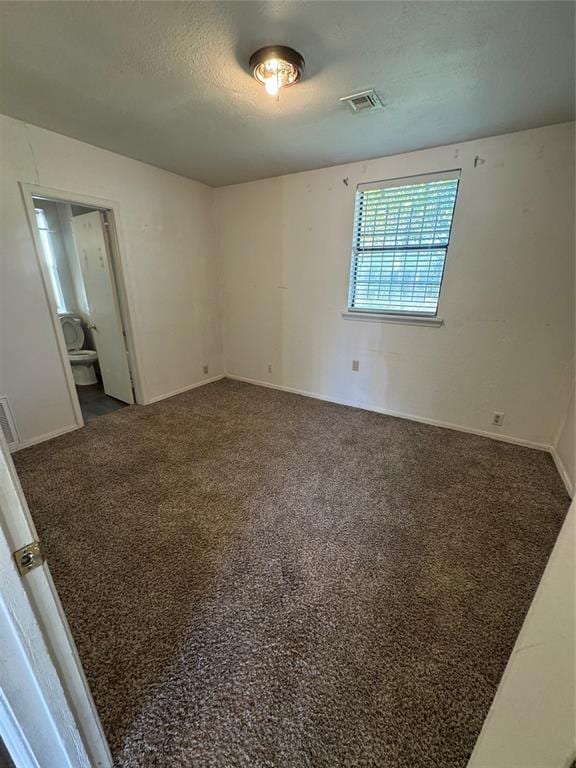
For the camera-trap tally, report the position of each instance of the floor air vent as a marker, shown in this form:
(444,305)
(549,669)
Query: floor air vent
(7,423)
(364,101)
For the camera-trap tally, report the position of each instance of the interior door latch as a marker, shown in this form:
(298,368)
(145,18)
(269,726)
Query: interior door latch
(29,557)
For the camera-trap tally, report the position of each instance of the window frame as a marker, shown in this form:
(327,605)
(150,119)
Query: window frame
(47,243)
(399,316)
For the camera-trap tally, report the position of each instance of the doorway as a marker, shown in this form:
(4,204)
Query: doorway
(77,254)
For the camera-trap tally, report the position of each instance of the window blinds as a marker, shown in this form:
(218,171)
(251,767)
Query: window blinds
(401,235)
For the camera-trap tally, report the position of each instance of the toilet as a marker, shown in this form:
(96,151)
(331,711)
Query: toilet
(81,360)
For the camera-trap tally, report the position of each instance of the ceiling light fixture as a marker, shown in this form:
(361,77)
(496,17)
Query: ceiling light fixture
(276,66)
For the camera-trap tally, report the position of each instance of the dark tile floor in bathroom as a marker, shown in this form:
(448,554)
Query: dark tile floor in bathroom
(95,402)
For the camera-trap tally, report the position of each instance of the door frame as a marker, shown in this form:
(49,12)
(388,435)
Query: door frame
(47,714)
(119,270)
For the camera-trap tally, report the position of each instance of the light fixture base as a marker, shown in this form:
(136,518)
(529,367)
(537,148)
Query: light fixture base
(276,67)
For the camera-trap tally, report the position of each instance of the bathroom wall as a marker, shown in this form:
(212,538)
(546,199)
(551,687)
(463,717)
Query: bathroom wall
(64,254)
(507,300)
(65,215)
(65,221)
(168,251)
(79,303)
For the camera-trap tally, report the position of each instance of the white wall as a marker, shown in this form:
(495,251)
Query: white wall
(507,342)
(284,247)
(168,250)
(532,720)
(565,452)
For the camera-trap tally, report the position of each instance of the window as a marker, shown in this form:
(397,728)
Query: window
(401,235)
(48,250)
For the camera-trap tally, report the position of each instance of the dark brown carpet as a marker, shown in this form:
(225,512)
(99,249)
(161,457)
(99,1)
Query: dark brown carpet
(259,579)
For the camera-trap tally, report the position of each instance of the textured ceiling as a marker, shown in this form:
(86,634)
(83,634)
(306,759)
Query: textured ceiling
(167,83)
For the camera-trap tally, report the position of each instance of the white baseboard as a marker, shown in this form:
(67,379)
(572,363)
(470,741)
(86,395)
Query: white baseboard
(184,389)
(64,430)
(364,406)
(42,438)
(563,472)
(397,414)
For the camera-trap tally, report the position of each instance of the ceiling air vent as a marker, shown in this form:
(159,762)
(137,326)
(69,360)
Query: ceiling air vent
(7,423)
(364,101)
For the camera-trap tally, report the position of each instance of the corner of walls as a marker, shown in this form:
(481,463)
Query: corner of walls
(187,388)
(219,281)
(168,256)
(564,450)
(284,253)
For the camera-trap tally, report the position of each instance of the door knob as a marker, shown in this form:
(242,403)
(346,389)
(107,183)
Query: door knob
(92,327)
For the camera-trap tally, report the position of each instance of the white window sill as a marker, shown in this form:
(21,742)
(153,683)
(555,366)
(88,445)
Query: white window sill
(380,317)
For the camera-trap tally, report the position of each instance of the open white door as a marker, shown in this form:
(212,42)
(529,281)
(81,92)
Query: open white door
(106,323)
(47,716)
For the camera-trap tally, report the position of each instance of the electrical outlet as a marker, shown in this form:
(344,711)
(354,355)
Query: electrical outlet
(269,369)
(355,365)
(205,369)
(497,418)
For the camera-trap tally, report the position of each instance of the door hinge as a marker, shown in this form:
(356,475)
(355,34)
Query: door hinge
(29,557)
